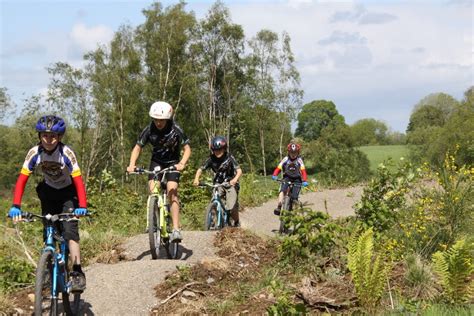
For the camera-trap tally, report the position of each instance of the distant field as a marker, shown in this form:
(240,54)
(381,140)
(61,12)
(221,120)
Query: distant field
(378,154)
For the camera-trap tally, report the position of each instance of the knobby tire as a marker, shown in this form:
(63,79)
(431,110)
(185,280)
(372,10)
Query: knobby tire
(44,302)
(284,211)
(210,221)
(154,233)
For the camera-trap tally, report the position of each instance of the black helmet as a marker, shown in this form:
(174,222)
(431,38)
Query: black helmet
(218,142)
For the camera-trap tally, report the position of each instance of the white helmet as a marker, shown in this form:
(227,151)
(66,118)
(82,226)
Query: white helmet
(161,110)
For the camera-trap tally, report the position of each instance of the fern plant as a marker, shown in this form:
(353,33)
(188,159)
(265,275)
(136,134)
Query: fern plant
(456,271)
(367,269)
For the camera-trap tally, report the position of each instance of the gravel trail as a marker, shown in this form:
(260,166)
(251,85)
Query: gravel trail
(127,288)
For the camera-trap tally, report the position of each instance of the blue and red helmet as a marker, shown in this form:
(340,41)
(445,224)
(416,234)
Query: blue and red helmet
(51,123)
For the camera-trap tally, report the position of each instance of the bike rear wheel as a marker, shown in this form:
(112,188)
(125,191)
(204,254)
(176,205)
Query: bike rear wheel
(154,233)
(210,220)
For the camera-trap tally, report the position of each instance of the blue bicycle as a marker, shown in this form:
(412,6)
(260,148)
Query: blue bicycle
(217,217)
(52,273)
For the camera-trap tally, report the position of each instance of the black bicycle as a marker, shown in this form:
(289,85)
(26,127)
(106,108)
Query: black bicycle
(287,204)
(53,283)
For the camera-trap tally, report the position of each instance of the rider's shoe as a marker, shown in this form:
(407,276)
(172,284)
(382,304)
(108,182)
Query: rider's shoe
(78,282)
(277,211)
(176,236)
(237,224)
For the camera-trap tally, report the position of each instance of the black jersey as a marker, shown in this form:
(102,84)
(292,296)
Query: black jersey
(225,167)
(166,142)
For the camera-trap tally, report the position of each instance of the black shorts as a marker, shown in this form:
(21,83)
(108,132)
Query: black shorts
(170,176)
(296,188)
(55,201)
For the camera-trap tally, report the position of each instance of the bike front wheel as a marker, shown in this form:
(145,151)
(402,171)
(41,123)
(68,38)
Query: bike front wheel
(211,220)
(45,301)
(285,208)
(154,233)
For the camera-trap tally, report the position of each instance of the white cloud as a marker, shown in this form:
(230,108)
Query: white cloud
(87,39)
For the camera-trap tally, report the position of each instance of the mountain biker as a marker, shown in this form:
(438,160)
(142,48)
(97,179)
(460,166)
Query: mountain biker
(293,170)
(61,190)
(166,138)
(226,169)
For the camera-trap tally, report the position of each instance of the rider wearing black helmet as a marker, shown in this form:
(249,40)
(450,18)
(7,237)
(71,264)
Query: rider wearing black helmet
(226,169)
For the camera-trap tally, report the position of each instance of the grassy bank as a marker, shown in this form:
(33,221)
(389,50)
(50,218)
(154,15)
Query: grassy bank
(377,154)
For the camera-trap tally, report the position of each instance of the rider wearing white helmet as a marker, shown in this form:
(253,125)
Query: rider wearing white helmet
(167,139)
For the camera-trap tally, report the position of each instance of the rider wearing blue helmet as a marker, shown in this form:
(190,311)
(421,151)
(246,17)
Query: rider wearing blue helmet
(62,189)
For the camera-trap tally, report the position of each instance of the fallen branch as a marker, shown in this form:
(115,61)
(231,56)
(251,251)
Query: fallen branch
(177,292)
(21,242)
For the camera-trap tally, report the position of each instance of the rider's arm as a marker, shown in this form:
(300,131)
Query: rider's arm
(81,190)
(237,176)
(133,157)
(184,159)
(304,175)
(19,188)
(197,176)
(279,167)
(26,170)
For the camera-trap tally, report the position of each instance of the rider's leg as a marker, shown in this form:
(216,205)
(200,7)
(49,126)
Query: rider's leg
(231,204)
(172,188)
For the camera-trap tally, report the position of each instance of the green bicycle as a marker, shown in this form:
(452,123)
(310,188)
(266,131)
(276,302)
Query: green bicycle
(158,215)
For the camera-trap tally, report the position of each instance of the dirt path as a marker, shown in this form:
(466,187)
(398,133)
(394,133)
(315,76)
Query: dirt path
(126,288)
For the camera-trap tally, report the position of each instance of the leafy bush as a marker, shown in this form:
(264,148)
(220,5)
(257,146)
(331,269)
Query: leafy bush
(440,213)
(15,272)
(314,234)
(456,270)
(285,304)
(385,195)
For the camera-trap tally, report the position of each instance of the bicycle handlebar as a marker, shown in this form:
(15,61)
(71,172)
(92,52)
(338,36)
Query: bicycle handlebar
(217,185)
(29,217)
(295,183)
(156,171)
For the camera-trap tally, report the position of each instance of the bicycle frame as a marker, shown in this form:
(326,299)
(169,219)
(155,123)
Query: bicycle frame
(287,203)
(61,257)
(223,215)
(159,192)
(158,211)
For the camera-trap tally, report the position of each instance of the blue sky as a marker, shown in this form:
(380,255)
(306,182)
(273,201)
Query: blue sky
(373,59)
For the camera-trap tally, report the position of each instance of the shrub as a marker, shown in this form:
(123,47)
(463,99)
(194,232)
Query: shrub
(385,195)
(314,234)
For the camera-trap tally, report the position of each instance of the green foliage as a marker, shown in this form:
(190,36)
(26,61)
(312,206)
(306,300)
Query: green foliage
(441,212)
(368,270)
(284,304)
(440,123)
(335,163)
(15,273)
(455,268)
(316,118)
(314,234)
(384,195)
(369,132)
